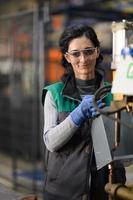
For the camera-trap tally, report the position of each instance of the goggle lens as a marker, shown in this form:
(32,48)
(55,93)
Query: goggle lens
(86,52)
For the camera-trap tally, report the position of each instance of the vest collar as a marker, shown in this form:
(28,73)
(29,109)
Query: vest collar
(70,90)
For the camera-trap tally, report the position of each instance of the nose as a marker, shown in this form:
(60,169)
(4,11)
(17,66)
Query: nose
(83,57)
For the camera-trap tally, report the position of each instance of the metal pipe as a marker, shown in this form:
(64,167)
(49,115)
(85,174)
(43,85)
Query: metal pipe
(117,130)
(119,191)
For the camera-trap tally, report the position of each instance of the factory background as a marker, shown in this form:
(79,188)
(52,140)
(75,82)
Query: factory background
(30,59)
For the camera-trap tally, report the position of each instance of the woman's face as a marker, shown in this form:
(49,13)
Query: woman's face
(82,55)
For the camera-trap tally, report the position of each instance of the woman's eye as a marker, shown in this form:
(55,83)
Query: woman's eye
(75,54)
(89,51)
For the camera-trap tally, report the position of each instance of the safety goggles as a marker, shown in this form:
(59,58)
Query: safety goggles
(86,52)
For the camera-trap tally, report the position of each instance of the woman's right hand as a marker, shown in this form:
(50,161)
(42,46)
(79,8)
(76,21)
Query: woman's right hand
(85,110)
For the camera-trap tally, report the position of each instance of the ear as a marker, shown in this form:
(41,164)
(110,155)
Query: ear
(67,58)
(98,52)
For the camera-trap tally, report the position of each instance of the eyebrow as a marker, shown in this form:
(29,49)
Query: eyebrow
(81,49)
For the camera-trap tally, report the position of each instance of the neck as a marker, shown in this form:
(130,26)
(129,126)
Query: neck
(85,77)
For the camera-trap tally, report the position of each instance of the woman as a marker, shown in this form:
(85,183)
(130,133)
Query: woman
(68,113)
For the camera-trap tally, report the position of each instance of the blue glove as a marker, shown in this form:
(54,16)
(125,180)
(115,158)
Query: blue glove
(85,110)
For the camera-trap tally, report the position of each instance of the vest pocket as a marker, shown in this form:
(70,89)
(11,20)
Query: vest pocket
(55,163)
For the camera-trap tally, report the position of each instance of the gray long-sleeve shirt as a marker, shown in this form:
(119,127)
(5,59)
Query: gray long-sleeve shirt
(56,135)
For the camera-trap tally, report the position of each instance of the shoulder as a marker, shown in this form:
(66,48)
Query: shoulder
(54,88)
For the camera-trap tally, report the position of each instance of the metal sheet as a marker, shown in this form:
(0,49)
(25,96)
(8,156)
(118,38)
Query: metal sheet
(100,143)
(103,136)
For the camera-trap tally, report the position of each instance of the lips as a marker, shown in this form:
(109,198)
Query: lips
(83,66)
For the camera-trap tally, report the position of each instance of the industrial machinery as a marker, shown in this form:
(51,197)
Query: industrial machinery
(120,110)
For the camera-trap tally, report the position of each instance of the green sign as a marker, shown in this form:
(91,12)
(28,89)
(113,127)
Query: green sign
(130,71)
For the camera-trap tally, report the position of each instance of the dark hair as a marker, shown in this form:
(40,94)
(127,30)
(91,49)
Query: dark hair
(72,32)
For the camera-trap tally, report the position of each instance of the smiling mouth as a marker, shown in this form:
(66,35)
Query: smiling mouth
(83,66)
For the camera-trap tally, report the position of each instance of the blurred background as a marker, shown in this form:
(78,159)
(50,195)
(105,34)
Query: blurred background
(30,59)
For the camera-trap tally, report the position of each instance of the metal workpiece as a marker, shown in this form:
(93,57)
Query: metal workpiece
(119,191)
(122,37)
(124,24)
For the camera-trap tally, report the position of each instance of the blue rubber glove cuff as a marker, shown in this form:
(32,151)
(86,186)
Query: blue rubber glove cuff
(77,116)
(82,112)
